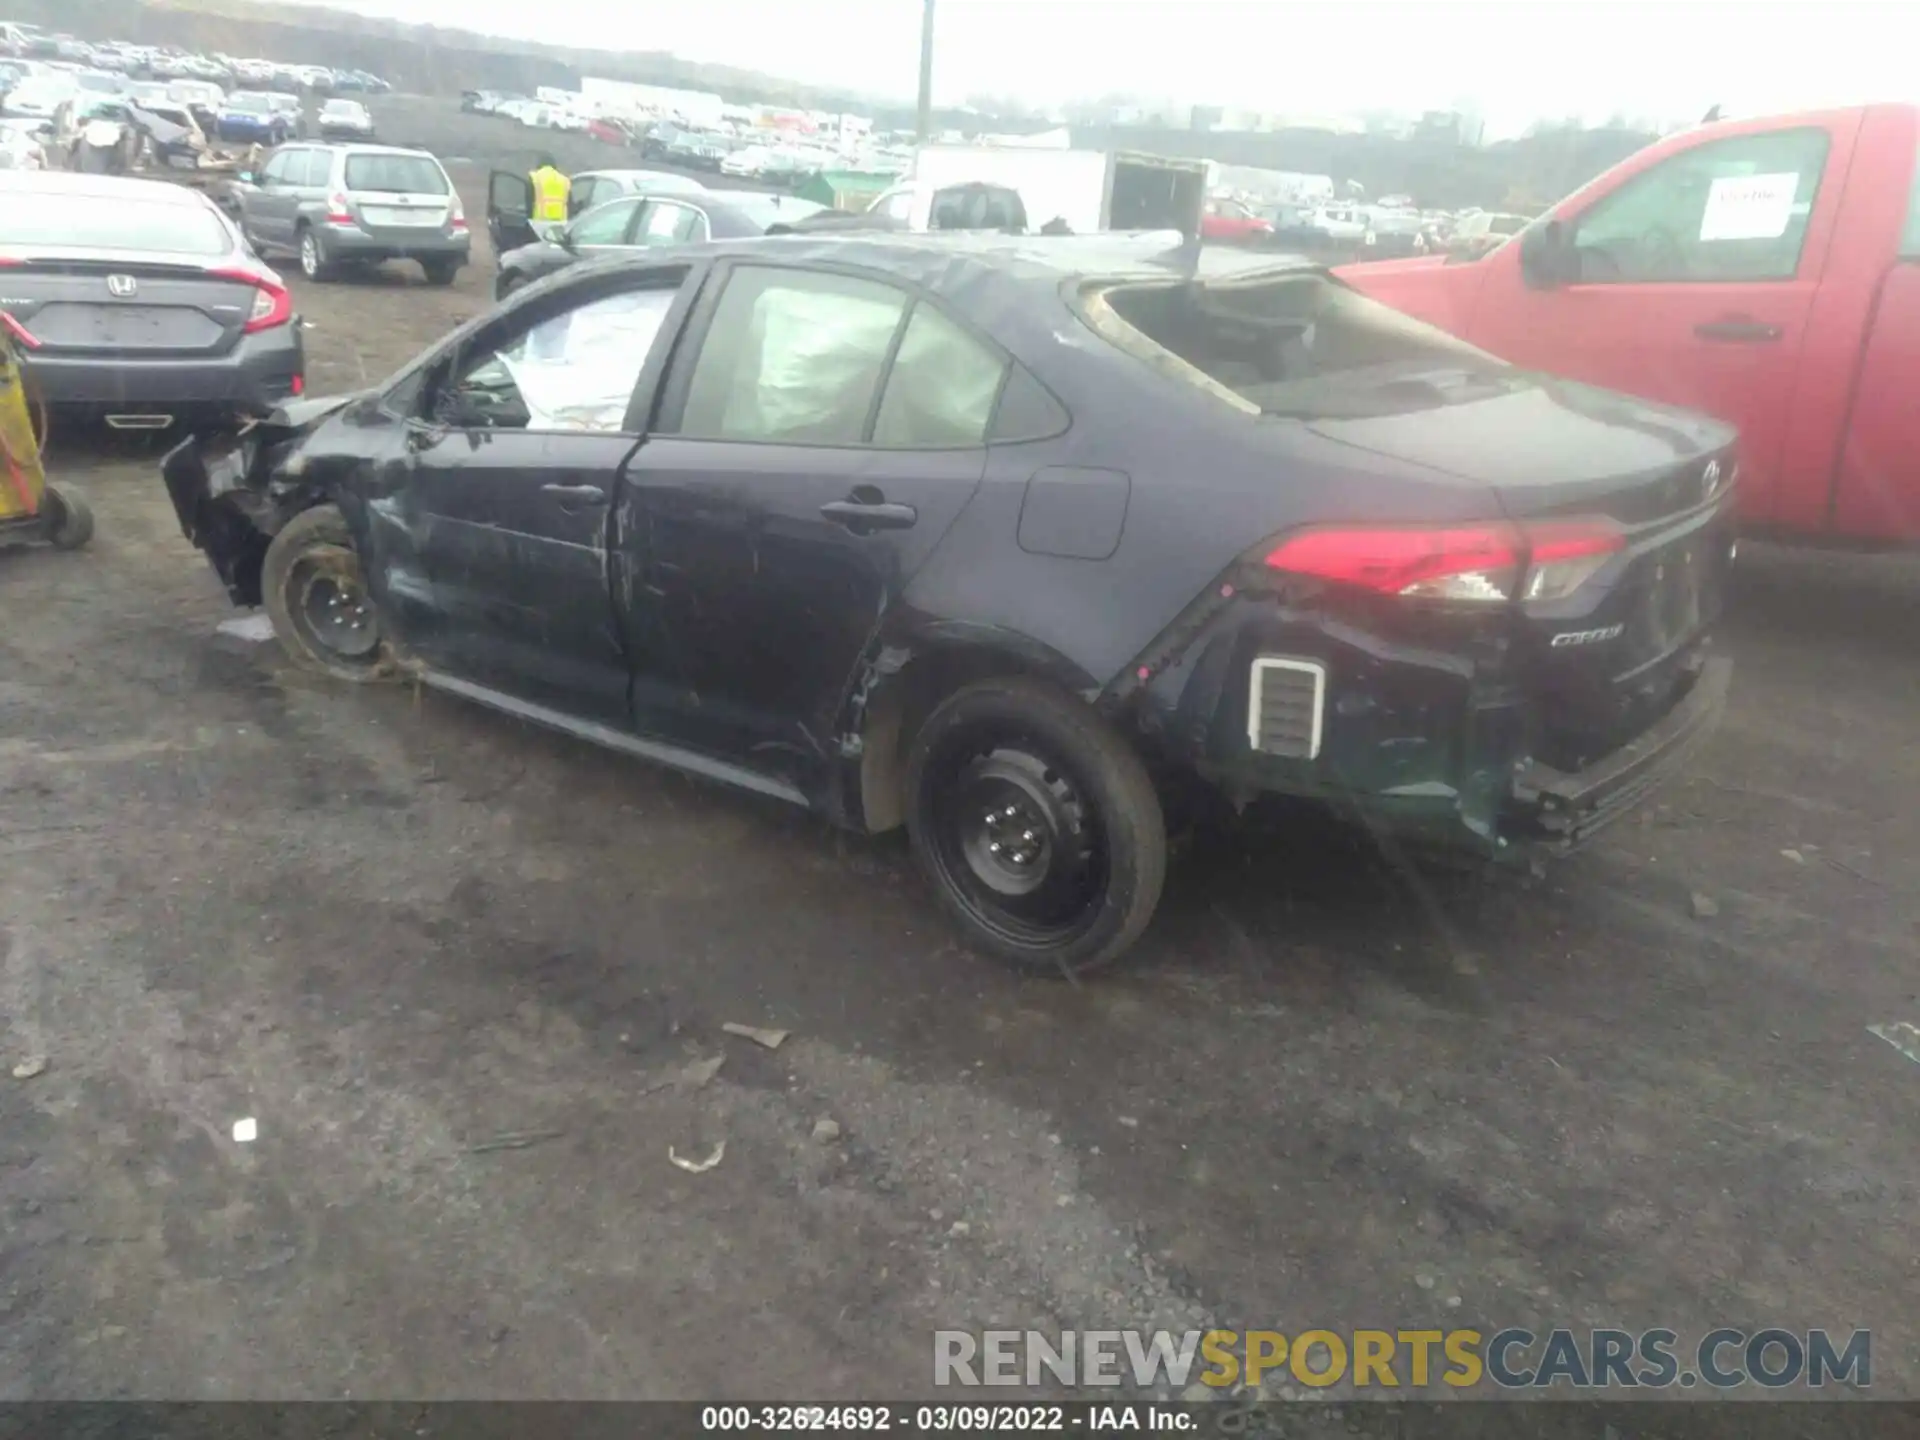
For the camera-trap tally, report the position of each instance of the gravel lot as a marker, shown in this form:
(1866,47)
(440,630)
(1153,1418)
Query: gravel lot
(458,971)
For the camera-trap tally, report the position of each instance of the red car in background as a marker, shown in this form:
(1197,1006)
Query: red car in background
(1228,222)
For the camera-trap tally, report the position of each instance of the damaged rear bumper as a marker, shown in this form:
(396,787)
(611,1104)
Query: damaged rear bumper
(1561,811)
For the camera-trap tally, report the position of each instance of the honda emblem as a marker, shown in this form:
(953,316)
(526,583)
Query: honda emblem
(121,287)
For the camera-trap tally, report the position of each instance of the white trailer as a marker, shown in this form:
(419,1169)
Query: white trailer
(1080,190)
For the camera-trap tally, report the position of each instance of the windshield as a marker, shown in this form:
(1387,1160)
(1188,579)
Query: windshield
(1300,345)
(99,84)
(113,222)
(398,174)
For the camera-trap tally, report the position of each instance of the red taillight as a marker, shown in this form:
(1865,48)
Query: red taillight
(458,219)
(272,305)
(1490,562)
(338,212)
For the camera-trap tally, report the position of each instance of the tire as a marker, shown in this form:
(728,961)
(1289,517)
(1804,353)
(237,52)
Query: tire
(440,272)
(310,572)
(1079,809)
(314,263)
(68,517)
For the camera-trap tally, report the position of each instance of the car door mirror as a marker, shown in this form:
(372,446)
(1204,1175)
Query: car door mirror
(564,238)
(1547,257)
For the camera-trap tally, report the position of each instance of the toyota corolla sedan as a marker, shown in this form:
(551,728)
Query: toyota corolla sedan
(1007,542)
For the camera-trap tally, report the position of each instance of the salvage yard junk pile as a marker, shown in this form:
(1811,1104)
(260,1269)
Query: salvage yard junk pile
(879,543)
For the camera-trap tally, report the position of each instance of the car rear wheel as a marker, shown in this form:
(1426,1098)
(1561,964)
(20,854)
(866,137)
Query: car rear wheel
(313,256)
(1037,824)
(317,598)
(67,516)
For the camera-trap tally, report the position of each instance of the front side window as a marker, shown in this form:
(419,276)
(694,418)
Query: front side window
(606,224)
(792,356)
(574,370)
(1728,210)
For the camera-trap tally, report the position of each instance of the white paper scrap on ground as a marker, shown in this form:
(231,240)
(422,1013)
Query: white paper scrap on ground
(257,627)
(246,1131)
(1902,1036)
(1749,207)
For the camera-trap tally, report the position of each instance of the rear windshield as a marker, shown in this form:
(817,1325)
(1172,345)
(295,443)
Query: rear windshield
(252,104)
(112,222)
(340,107)
(765,210)
(1301,345)
(396,174)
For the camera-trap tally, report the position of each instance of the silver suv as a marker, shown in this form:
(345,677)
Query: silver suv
(333,205)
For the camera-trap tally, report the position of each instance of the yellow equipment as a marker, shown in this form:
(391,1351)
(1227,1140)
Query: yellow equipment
(28,502)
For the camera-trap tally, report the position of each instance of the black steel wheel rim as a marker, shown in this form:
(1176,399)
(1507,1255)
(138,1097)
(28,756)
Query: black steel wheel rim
(1017,839)
(330,606)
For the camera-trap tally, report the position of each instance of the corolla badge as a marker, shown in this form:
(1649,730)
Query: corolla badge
(1586,637)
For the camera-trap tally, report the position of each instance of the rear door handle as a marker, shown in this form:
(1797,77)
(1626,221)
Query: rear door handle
(577,494)
(859,515)
(1738,332)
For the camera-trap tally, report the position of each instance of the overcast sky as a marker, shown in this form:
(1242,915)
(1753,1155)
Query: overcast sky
(1517,59)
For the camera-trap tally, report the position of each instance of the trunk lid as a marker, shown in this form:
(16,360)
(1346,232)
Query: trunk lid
(397,194)
(140,309)
(1608,659)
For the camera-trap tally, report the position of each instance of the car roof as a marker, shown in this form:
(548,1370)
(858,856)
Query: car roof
(349,147)
(66,182)
(955,261)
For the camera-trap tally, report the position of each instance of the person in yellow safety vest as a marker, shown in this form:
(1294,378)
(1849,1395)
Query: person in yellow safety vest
(550,187)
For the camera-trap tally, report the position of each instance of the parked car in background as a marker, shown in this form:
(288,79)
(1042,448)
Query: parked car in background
(37,98)
(330,206)
(22,145)
(1228,222)
(1766,271)
(252,117)
(892,551)
(1485,231)
(645,220)
(344,120)
(1394,233)
(510,198)
(137,300)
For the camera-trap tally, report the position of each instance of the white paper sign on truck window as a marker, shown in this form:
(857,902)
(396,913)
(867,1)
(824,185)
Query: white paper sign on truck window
(1749,207)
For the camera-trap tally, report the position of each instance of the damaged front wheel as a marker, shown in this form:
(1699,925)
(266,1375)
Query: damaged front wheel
(313,589)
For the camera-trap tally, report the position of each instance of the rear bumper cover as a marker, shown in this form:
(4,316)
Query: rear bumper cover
(255,376)
(346,242)
(1561,811)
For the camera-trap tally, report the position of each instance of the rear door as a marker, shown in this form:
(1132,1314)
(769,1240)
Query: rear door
(509,211)
(817,437)
(270,205)
(489,544)
(396,197)
(1695,280)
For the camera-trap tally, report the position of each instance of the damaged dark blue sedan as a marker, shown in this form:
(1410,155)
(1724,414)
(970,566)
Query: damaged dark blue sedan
(1009,541)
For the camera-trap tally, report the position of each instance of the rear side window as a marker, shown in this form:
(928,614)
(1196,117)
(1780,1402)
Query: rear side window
(606,225)
(1729,210)
(98,222)
(396,174)
(941,389)
(792,356)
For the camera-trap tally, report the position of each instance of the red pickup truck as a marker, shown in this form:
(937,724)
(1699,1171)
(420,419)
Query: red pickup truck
(1764,271)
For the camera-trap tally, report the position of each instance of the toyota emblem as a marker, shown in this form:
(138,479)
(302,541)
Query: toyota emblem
(121,287)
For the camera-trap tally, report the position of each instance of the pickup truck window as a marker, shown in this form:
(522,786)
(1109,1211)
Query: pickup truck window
(1910,237)
(1728,210)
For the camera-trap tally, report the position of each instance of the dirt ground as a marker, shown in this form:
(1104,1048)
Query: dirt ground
(461,973)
